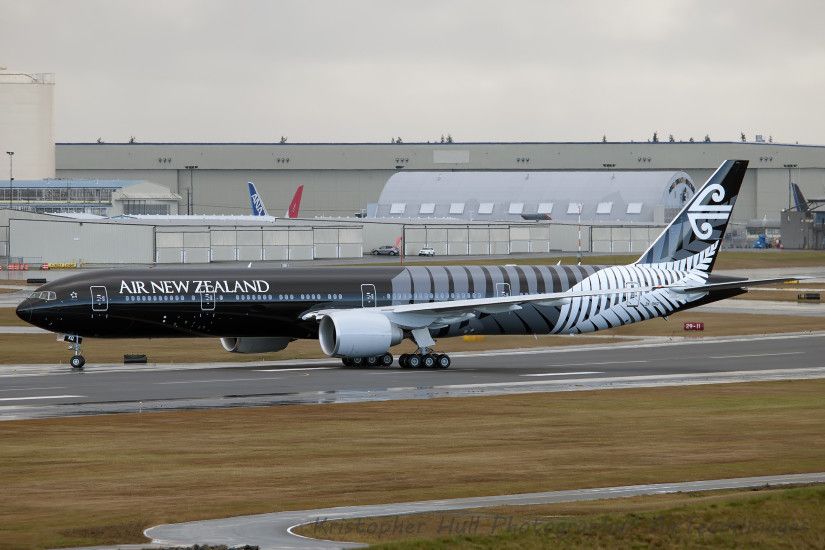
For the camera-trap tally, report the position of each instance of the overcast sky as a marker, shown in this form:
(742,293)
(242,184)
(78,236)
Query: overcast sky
(319,71)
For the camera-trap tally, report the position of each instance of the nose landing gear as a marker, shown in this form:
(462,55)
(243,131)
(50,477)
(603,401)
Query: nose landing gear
(77,361)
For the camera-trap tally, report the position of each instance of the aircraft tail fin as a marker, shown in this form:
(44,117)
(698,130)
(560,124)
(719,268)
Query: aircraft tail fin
(258,208)
(700,226)
(799,199)
(295,205)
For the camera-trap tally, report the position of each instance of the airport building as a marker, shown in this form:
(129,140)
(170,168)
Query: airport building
(458,198)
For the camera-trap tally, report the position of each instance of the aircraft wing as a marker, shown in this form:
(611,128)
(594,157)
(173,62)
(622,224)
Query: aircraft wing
(429,313)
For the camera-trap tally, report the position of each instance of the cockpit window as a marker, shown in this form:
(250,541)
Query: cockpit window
(47,295)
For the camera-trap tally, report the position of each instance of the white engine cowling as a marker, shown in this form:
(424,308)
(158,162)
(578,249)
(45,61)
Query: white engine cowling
(254,345)
(351,333)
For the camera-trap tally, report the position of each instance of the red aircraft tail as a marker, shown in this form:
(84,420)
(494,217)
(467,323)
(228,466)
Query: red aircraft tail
(295,205)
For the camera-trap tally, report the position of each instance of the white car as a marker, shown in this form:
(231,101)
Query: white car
(426,251)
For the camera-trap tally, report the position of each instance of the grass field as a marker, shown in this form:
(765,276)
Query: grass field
(43,348)
(102,479)
(764,518)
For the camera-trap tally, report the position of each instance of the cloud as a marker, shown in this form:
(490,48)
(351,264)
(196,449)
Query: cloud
(366,70)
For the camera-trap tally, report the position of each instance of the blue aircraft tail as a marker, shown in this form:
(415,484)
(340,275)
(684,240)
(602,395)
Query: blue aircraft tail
(799,199)
(258,208)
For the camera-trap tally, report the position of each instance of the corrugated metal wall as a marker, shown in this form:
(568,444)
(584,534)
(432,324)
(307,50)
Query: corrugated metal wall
(88,242)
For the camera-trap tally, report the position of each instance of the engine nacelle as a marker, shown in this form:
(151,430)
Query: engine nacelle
(351,333)
(255,345)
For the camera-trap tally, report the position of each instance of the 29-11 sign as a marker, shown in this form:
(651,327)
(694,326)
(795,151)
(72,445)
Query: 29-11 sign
(695,325)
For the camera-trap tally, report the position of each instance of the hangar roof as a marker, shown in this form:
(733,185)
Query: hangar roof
(561,196)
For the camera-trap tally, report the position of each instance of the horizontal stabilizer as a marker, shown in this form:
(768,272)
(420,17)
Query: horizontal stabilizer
(743,283)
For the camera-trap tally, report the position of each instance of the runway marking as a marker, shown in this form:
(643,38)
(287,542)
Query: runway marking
(305,368)
(564,373)
(39,397)
(756,355)
(219,380)
(600,363)
(31,389)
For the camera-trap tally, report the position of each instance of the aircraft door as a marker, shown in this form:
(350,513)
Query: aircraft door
(100,298)
(368,297)
(502,290)
(207,301)
(633,296)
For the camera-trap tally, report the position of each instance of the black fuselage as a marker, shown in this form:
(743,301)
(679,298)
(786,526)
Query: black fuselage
(232,301)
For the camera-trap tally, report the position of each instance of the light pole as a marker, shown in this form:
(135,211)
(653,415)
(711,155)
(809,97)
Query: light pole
(191,169)
(11,173)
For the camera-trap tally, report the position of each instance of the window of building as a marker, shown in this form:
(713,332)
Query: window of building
(634,208)
(456,208)
(516,208)
(427,208)
(142,207)
(574,208)
(485,208)
(398,208)
(545,208)
(604,208)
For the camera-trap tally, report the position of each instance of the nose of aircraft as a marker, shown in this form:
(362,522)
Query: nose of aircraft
(24,310)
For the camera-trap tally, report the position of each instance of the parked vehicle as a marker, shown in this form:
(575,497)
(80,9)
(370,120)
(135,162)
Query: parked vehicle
(385,250)
(426,251)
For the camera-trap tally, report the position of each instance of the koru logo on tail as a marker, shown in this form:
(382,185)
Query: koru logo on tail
(698,211)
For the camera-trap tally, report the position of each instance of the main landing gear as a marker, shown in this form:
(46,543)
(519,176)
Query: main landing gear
(424,360)
(77,361)
(375,361)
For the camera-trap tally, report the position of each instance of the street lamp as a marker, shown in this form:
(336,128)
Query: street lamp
(191,199)
(11,173)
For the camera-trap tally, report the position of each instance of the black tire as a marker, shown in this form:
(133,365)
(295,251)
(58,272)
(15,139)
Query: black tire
(357,361)
(373,361)
(414,361)
(443,361)
(346,361)
(428,361)
(77,361)
(402,361)
(387,359)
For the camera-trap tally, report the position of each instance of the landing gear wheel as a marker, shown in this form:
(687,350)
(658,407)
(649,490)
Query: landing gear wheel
(443,361)
(428,361)
(347,361)
(357,361)
(386,359)
(403,361)
(77,361)
(373,361)
(413,361)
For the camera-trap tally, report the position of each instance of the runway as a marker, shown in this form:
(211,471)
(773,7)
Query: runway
(275,530)
(51,391)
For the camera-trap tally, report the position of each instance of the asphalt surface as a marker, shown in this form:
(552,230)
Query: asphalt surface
(36,391)
(275,530)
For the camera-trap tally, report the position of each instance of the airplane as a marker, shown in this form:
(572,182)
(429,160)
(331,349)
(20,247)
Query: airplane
(258,208)
(357,314)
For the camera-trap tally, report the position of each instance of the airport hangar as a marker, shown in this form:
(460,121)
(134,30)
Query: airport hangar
(342,180)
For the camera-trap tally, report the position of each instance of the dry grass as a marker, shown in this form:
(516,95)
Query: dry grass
(769,518)
(97,480)
(43,348)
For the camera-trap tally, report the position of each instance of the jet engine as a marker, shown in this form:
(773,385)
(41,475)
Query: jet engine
(351,333)
(254,345)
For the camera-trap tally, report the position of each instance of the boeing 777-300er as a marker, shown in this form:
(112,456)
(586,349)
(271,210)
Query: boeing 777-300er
(359,313)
